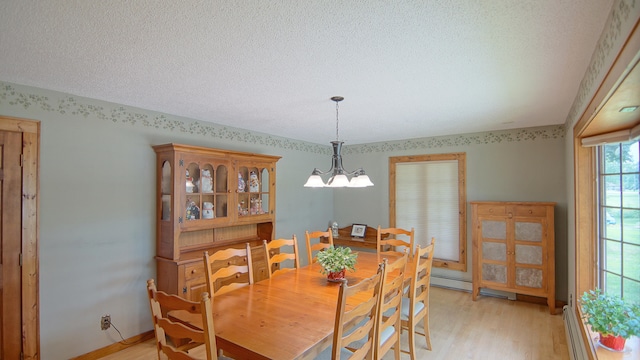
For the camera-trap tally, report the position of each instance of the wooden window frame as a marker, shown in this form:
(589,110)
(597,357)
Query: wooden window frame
(585,185)
(461,158)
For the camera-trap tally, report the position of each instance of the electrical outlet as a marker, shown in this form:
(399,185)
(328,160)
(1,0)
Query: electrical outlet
(105,322)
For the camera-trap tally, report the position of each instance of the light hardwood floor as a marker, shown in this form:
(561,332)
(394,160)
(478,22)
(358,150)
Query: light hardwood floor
(489,328)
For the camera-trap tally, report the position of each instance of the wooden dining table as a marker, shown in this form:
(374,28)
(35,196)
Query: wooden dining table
(289,316)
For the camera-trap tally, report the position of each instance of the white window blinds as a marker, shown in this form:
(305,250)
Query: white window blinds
(427,199)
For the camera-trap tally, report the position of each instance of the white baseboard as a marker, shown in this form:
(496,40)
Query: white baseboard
(451,283)
(467,286)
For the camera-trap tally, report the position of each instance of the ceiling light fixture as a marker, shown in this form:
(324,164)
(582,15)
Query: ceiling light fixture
(628,109)
(338,174)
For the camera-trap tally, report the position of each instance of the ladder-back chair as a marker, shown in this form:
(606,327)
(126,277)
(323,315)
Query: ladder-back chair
(228,269)
(358,324)
(275,256)
(168,333)
(396,237)
(312,248)
(416,307)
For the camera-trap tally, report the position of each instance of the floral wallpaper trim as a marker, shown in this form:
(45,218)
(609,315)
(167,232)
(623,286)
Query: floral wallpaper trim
(483,138)
(620,14)
(121,115)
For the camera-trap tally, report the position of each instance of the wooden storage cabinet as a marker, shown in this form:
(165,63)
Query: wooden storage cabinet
(207,200)
(513,248)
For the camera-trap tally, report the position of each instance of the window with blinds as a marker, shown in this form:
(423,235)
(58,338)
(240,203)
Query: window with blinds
(427,193)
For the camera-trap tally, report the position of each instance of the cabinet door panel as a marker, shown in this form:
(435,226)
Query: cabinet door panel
(494,273)
(494,229)
(195,288)
(529,231)
(494,251)
(202,195)
(528,277)
(526,254)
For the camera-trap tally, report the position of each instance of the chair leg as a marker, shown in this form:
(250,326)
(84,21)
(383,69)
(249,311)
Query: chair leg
(412,339)
(427,335)
(396,347)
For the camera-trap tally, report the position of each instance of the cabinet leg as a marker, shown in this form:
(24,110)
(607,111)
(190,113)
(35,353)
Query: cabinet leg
(552,305)
(474,293)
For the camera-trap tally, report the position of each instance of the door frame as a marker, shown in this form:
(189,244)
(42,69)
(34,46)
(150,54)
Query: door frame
(30,130)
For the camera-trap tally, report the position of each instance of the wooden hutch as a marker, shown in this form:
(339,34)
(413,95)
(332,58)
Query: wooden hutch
(513,248)
(207,200)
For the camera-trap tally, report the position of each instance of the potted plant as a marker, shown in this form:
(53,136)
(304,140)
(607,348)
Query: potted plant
(336,260)
(613,318)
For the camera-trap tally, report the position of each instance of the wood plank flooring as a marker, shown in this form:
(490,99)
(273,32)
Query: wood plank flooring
(489,328)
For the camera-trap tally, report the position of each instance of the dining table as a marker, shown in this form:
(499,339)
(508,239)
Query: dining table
(288,316)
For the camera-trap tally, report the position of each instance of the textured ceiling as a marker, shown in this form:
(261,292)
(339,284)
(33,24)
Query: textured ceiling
(407,69)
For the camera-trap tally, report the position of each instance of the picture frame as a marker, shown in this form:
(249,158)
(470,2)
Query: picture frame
(358,230)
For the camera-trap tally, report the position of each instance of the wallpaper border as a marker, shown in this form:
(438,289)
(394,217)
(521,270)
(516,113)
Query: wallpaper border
(620,16)
(27,98)
(481,138)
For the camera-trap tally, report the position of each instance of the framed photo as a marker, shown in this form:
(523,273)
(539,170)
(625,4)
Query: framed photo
(358,230)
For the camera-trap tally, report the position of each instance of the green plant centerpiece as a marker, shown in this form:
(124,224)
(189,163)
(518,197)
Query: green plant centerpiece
(614,318)
(336,260)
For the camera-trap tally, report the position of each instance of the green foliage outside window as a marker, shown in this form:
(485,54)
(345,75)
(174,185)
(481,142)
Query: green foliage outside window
(619,202)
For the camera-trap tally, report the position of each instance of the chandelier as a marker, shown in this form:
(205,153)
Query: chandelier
(338,173)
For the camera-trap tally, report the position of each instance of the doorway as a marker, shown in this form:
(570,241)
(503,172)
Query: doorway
(19,306)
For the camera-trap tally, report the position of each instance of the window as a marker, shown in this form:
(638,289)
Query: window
(619,219)
(427,193)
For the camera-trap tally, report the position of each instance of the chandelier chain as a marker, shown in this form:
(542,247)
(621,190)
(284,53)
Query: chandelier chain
(337,138)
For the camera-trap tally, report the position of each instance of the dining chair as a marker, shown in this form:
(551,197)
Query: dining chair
(389,325)
(311,248)
(273,252)
(416,306)
(389,321)
(396,237)
(169,333)
(228,269)
(356,323)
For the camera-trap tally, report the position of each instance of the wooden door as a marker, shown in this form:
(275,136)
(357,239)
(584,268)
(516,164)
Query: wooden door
(10,244)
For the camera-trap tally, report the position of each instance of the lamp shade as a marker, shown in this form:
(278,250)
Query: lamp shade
(314,181)
(360,181)
(338,180)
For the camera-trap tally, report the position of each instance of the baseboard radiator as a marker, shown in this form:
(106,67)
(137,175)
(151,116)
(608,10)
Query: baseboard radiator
(576,347)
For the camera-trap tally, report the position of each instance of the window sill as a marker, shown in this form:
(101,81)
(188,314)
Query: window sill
(631,348)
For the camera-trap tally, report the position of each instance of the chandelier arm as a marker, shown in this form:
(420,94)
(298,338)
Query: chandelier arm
(317,171)
(358,171)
